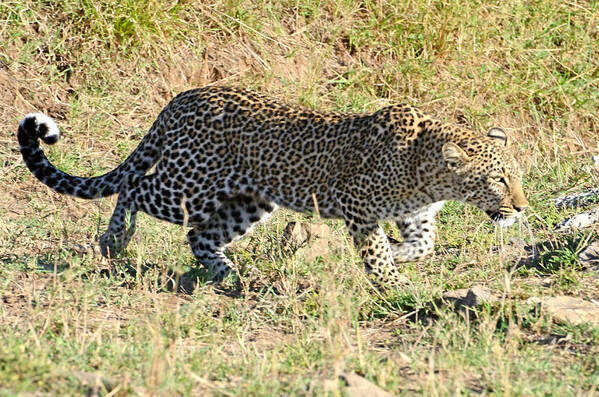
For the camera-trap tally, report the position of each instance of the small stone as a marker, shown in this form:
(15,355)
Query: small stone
(455,295)
(95,380)
(358,386)
(307,240)
(301,232)
(478,295)
(590,255)
(577,200)
(589,258)
(569,309)
(295,233)
(472,297)
(579,221)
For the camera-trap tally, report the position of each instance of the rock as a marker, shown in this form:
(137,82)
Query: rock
(577,200)
(301,232)
(96,381)
(589,258)
(590,255)
(456,294)
(579,221)
(358,386)
(477,295)
(569,309)
(307,240)
(472,297)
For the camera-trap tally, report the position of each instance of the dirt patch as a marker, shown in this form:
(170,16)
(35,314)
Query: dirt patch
(28,294)
(24,94)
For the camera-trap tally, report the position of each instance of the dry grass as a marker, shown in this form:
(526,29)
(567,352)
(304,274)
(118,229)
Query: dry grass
(104,69)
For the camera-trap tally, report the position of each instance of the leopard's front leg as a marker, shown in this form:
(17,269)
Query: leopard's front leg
(374,249)
(417,244)
(418,233)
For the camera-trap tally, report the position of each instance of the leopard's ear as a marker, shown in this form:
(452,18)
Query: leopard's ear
(500,135)
(454,155)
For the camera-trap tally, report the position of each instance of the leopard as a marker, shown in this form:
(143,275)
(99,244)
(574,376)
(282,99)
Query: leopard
(220,160)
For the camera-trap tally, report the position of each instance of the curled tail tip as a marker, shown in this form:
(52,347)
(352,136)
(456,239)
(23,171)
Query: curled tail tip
(38,125)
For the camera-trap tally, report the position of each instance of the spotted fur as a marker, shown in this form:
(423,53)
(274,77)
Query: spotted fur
(226,158)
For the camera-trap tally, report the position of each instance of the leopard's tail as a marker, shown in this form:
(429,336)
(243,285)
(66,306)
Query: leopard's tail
(37,126)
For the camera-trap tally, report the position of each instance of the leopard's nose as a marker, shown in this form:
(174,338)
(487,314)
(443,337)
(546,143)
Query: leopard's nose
(521,207)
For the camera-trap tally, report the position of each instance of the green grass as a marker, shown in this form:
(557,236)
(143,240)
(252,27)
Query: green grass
(284,325)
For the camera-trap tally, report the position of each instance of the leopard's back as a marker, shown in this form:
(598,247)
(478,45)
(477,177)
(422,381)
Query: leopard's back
(259,145)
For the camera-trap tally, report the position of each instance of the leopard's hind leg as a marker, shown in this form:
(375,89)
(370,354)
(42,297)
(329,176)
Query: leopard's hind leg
(122,222)
(151,195)
(235,217)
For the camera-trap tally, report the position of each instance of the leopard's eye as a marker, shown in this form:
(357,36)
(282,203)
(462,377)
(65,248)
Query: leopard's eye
(498,178)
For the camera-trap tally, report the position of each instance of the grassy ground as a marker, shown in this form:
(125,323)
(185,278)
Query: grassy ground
(284,326)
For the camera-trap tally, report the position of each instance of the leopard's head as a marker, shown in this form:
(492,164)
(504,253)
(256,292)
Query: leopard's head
(486,175)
